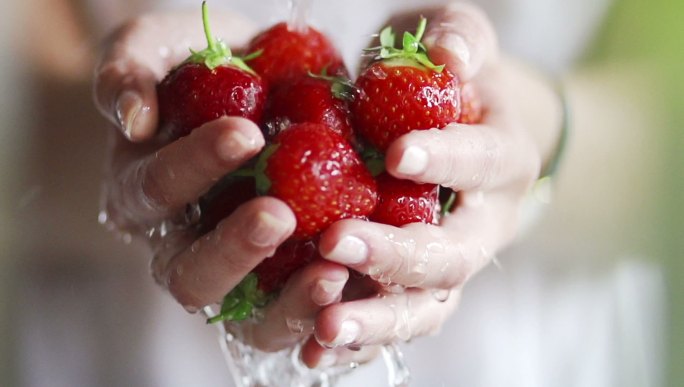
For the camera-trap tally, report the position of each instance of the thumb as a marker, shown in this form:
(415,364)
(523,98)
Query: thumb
(462,38)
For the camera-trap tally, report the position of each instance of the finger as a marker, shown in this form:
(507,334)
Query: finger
(141,52)
(422,255)
(314,355)
(462,38)
(385,319)
(289,319)
(206,271)
(465,157)
(162,184)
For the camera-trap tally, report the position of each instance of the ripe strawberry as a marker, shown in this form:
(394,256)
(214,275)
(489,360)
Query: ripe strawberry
(319,175)
(209,84)
(318,99)
(403,201)
(259,287)
(223,199)
(292,255)
(288,53)
(471,105)
(402,91)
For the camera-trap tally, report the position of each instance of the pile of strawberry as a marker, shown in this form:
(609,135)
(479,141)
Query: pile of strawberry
(325,135)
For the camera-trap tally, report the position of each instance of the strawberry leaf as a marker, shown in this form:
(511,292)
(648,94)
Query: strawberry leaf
(387,37)
(239,304)
(412,47)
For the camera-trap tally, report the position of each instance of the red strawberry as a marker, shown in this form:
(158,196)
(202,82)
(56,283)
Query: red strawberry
(403,201)
(209,84)
(223,199)
(288,53)
(403,91)
(292,255)
(264,282)
(314,99)
(319,175)
(471,105)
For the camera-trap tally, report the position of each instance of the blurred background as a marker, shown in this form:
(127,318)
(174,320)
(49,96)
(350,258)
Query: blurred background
(591,295)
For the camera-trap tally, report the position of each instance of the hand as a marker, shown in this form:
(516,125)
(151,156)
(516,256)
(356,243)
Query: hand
(491,166)
(150,181)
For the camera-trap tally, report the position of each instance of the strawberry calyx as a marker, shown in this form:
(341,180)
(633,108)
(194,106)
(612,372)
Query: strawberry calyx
(413,51)
(240,303)
(341,87)
(374,160)
(258,172)
(217,52)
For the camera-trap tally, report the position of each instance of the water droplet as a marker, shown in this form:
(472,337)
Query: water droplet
(195,246)
(164,52)
(353,365)
(179,270)
(102,217)
(191,309)
(378,72)
(171,173)
(193,213)
(127,238)
(441,295)
(295,326)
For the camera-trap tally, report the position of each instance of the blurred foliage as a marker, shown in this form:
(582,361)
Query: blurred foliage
(636,30)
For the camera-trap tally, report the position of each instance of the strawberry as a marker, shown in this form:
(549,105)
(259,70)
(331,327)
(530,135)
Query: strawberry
(262,285)
(288,53)
(209,84)
(471,105)
(319,175)
(223,199)
(319,99)
(290,256)
(402,91)
(403,201)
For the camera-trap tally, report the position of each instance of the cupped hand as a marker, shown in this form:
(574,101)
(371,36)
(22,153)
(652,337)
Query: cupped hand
(150,181)
(491,166)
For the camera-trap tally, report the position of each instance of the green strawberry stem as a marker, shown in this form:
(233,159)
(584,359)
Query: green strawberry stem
(449,204)
(217,52)
(239,304)
(207,29)
(412,48)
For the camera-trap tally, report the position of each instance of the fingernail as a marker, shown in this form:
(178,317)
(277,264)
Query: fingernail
(128,107)
(267,230)
(414,161)
(328,359)
(456,45)
(234,145)
(349,332)
(326,292)
(350,250)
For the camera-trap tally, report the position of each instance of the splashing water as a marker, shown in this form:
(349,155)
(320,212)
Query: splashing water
(253,368)
(398,373)
(299,15)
